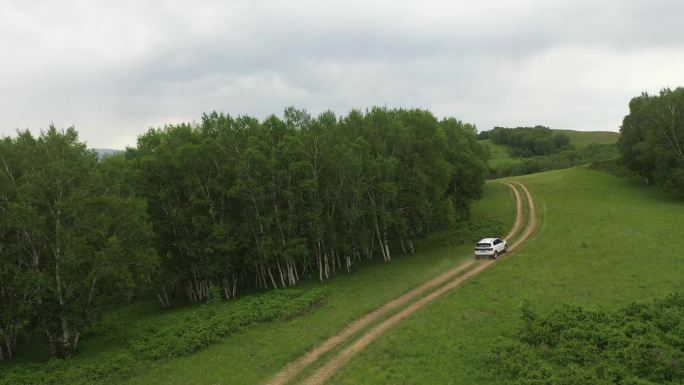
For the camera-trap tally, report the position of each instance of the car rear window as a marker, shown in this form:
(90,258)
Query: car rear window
(484,245)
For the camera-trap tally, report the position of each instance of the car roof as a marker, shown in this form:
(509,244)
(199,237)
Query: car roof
(486,240)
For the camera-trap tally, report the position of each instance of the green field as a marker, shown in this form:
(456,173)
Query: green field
(498,154)
(598,245)
(584,138)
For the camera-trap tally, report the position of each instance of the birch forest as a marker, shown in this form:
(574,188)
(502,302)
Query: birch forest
(212,209)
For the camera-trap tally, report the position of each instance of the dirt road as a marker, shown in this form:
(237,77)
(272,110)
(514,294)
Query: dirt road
(462,272)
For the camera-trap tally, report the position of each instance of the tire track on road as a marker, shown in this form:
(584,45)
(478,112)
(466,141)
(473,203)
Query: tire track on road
(292,370)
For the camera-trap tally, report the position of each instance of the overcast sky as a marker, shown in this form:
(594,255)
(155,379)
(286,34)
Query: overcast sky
(115,68)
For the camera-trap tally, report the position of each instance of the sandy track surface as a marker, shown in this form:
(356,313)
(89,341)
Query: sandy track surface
(518,213)
(321,375)
(532,215)
(296,367)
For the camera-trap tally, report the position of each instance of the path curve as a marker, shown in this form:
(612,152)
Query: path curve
(339,360)
(518,213)
(293,369)
(533,221)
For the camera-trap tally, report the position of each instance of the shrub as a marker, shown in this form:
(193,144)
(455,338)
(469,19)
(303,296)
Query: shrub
(613,166)
(638,344)
(528,141)
(565,159)
(165,336)
(188,332)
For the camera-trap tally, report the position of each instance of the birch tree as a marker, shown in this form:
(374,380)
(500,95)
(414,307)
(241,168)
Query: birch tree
(75,245)
(652,138)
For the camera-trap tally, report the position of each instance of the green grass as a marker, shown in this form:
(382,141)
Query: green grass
(603,242)
(498,203)
(501,163)
(499,154)
(584,138)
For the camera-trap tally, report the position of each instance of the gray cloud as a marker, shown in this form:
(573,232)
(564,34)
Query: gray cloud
(113,69)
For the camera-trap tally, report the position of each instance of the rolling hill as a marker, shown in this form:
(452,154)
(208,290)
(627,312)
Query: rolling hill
(501,163)
(584,138)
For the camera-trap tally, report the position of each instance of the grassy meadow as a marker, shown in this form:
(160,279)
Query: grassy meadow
(584,138)
(500,156)
(603,242)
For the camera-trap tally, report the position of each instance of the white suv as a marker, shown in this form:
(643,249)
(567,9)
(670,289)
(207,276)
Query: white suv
(490,247)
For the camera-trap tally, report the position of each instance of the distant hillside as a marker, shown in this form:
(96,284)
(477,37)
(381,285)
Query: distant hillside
(501,163)
(498,154)
(102,152)
(584,138)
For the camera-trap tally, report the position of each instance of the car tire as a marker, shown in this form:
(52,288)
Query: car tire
(496,254)
(506,248)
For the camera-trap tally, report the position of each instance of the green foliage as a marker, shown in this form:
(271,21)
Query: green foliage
(652,138)
(173,334)
(537,149)
(641,343)
(467,232)
(57,372)
(236,197)
(560,160)
(203,208)
(72,242)
(613,166)
(186,332)
(528,141)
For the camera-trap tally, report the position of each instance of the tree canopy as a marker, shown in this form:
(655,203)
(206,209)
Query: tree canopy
(528,141)
(652,138)
(204,210)
(233,199)
(71,242)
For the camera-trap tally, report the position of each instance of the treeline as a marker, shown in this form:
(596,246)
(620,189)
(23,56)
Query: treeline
(652,138)
(205,210)
(235,201)
(528,141)
(589,154)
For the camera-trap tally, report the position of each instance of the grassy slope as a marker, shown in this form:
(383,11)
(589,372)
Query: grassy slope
(579,139)
(499,154)
(601,243)
(583,138)
(253,355)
